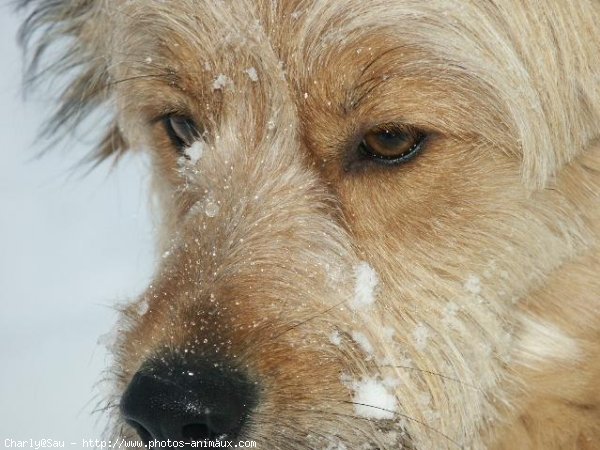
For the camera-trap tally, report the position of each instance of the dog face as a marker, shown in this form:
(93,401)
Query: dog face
(372,214)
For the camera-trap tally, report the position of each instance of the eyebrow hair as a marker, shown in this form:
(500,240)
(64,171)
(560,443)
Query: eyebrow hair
(364,87)
(155,76)
(140,66)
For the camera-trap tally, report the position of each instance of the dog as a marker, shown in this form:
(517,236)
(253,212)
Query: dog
(379,220)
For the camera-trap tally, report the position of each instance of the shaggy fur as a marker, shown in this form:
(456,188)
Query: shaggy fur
(485,327)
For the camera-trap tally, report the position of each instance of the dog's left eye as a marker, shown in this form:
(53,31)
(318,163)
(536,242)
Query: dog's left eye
(390,144)
(182,131)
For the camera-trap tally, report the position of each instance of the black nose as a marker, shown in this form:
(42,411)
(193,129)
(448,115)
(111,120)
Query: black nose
(187,402)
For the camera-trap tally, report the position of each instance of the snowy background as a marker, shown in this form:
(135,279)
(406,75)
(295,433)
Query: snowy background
(71,246)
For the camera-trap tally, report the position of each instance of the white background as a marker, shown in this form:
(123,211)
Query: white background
(71,247)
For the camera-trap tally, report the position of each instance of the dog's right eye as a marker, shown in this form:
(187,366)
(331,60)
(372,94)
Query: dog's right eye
(182,131)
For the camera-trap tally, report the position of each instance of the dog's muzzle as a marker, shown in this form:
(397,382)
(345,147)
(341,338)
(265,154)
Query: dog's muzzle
(184,401)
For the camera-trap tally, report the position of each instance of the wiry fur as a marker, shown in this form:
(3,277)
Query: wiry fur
(487,313)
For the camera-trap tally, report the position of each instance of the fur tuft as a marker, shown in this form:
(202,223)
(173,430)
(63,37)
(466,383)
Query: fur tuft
(67,33)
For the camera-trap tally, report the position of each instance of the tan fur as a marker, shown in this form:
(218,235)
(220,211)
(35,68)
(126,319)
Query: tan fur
(487,314)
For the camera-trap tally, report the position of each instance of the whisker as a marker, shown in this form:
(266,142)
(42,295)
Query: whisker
(258,344)
(136,77)
(412,419)
(105,408)
(430,372)
(315,316)
(301,431)
(338,414)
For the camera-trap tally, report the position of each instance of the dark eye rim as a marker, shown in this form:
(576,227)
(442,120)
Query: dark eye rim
(419,137)
(179,142)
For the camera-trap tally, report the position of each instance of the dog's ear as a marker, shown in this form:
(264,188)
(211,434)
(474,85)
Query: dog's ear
(66,39)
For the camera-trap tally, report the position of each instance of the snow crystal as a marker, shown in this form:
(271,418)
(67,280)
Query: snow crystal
(336,274)
(420,336)
(391,383)
(373,400)
(221,82)
(449,318)
(194,152)
(392,438)
(347,380)
(363,342)
(182,162)
(211,208)
(336,445)
(364,289)
(142,307)
(388,333)
(405,360)
(335,338)
(106,340)
(432,416)
(110,339)
(473,284)
(251,72)
(424,399)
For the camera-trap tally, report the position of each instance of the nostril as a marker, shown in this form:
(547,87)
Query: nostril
(198,432)
(164,402)
(144,435)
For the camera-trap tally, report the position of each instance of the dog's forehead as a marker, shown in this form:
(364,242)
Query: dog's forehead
(471,59)
(285,24)
(329,53)
(298,36)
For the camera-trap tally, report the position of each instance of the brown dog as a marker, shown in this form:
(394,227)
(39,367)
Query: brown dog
(380,219)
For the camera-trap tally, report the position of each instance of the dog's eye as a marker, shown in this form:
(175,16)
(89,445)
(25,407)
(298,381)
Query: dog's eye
(182,131)
(391,144)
